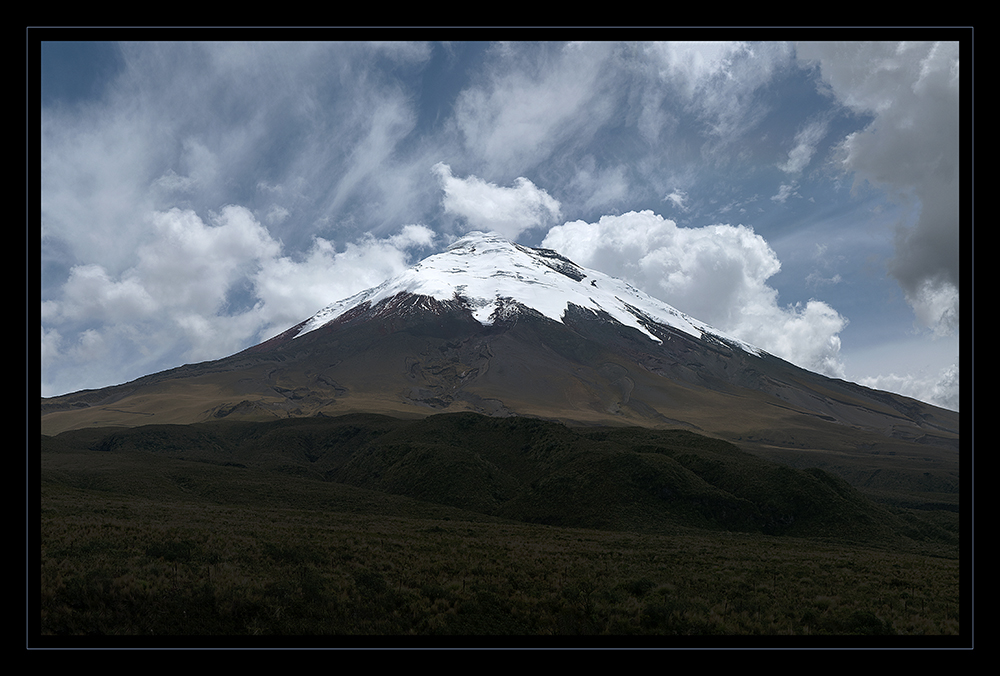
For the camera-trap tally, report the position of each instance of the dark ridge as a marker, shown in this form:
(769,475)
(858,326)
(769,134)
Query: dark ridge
(537,471)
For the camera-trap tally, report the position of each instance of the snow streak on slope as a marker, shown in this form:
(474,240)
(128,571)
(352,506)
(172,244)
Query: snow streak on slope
(486,272)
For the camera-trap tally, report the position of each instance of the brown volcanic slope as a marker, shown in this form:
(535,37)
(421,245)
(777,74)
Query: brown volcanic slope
(410,356)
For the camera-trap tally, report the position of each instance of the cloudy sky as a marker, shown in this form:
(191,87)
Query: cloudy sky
(197,198)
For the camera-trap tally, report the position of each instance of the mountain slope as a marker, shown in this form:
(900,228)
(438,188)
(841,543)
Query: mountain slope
(493,327)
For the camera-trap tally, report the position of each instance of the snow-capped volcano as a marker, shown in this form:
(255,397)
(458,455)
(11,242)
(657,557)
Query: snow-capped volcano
(497,328)
(491,275)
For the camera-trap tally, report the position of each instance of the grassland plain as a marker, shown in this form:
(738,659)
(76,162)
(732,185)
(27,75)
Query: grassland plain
(236,531)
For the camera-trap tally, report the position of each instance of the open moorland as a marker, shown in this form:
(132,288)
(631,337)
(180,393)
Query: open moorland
(460,524)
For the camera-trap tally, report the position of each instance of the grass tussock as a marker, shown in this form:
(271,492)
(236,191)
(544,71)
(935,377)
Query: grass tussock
(113,566)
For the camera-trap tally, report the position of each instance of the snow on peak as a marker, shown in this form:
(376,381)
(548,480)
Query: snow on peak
(487,271)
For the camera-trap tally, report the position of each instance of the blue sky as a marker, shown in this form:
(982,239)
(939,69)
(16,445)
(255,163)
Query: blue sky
(197,198)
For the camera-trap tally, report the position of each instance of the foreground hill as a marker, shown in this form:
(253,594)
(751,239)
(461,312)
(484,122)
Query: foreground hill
(533,471)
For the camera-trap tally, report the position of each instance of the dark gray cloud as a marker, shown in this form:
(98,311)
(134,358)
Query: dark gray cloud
(910,149)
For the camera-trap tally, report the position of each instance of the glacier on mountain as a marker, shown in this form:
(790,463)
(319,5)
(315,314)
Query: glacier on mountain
(487,271)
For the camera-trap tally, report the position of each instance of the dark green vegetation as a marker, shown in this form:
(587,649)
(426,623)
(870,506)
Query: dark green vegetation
(464,524)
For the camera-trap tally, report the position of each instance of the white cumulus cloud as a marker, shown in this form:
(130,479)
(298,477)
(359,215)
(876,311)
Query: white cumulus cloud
(940,389)
(200,291)
(487,206)
(716,273)
(291,289)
